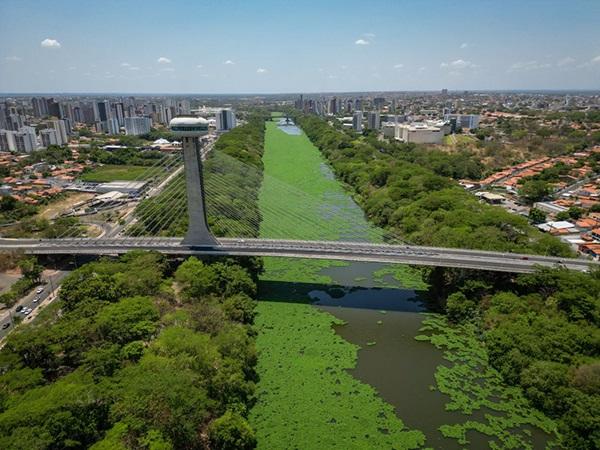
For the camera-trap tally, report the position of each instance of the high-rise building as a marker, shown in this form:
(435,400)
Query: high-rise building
(379,103)
(49,137)
(15,121)
(357,119)
(373,120)
(25,140)
(333,106)
(40,107)
(7,141)
(102,111)
(470,121)
(53,108)
(119,113)
(61,131)
(135,126)
(225,120)
(112,126)
(349,105)
(183,107)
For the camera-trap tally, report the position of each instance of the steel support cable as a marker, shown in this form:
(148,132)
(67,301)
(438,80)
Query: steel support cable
(170,214)
(151,170)
(148,214)
(155,204)
(136,211)
(289,191)
(284,213)
(371,231)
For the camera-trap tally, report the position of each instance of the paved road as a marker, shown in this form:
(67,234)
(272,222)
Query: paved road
(29,301)
(346,251)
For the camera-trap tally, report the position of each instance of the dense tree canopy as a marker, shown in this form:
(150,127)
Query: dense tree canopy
(410,193)
(134,359)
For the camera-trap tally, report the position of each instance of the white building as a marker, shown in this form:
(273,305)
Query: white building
(135,126)
(49,137)
(357,119)
(7,141)
(61,131)
(225,120)
(373,120)
(25,140)
(469,121)
(112,126)
(419,133)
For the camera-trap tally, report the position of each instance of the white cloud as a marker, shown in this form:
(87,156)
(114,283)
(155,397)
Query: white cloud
(229,62)
(125,64)
(199,66)
(50,43)
(464,45)
(72,68)
(565,61)
(369,35)
(13,58)
(168,69)
(163,60)
(398,66)
(261,70)
(526,66)
(422,69)
(459,64)
(595,60)
(361,42)
(134,68)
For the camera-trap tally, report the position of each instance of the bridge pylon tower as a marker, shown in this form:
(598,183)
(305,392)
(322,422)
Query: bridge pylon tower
(190,130)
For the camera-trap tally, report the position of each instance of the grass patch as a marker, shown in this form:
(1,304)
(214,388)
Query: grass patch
(108,172)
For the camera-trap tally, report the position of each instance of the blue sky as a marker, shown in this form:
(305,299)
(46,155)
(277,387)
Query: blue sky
(262,46)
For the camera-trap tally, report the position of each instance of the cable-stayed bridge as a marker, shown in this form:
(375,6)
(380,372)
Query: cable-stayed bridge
(178,189)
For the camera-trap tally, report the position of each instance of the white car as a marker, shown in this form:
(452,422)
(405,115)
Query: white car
(37,299)
(27,311)
(39,290)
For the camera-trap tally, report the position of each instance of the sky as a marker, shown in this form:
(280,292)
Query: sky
(287,46)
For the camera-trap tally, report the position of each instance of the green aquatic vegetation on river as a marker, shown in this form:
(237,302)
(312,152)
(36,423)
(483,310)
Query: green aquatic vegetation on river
(474,386)
(307,398)
(408,277)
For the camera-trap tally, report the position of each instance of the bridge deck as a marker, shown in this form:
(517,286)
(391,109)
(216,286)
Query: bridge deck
(347,251)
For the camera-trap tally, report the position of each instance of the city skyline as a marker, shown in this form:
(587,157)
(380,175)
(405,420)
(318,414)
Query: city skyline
(232,48)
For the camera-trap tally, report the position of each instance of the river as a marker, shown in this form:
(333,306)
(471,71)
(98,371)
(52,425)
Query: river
(339,364)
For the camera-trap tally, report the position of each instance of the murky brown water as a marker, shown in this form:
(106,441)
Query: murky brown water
(384,323)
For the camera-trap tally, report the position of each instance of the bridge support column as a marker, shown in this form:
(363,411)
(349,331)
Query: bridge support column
(198,233)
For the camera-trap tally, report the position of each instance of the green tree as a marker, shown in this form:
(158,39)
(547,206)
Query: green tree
(537,215)
(231,432)
(459,308)
(534,190)
(31,269)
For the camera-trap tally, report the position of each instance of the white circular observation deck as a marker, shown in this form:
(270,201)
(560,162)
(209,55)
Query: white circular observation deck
(189,126)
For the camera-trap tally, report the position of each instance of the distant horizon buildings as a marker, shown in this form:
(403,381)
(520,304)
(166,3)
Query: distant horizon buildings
(357,119)
(373,120)
(136,126)
(225,120)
